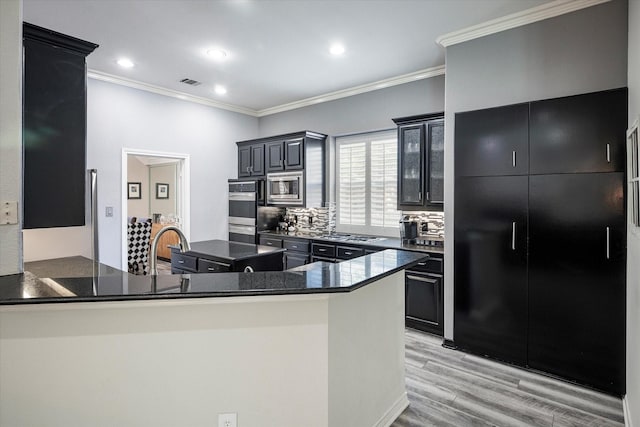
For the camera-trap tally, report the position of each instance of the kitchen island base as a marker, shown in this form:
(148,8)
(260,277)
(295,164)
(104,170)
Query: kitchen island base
(279,360)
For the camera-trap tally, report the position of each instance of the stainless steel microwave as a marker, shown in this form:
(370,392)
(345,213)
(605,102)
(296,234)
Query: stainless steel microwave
(285,188)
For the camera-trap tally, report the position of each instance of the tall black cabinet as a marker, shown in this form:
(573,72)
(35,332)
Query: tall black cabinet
(540,236)
(54,128)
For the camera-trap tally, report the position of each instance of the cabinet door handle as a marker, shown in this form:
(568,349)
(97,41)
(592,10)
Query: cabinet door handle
(608,237)
(322,250)
(294,246)
(419,195)
(348,253)
(180,261)
(513,236)
(211,269)
(513,158)
(608,153)
(247,169)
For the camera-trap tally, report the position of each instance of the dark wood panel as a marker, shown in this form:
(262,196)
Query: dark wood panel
(490,316)
(493,141)
(571,134)
(576,291)
(54,129)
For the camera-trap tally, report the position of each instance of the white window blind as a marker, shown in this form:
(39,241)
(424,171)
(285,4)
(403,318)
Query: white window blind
(367,190)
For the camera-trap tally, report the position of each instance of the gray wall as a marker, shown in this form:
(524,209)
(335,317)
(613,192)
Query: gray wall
(119,117)
(580,52)
(633,235)
(10,129)
(360,113)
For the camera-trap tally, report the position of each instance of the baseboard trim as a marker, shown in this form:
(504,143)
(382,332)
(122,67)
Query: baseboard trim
(627,414)
(449,344)
(394,411)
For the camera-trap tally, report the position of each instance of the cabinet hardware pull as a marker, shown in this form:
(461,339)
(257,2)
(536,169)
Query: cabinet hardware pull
(513,158)
(513,236)
(422,263)
(608,236)
(180,261)
(608,153)
(348,253)
(294,246)
(419,195)
(247,169)
(427,195)
(211,269)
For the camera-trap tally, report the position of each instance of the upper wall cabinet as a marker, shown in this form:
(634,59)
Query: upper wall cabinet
(583,133)
(251,160)
(420,162)
(54,128)
(492,142)
(279,153)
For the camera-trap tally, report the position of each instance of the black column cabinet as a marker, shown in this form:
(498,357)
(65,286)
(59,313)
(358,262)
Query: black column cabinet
(490,315)
(54,128)
(540,245)
(582,133)
(577,277)
(493,141)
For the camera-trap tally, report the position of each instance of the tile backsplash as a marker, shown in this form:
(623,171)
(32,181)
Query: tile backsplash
(323,220)
(316,220)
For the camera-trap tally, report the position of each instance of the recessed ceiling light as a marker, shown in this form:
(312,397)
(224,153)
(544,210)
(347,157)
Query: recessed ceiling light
(125,63)
(336,49)
(217,54)
(220,90)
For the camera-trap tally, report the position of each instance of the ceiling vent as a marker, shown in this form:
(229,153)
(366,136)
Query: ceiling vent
(190,82)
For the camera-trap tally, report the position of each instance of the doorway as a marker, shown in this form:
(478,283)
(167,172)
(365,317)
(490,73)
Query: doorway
(156,188)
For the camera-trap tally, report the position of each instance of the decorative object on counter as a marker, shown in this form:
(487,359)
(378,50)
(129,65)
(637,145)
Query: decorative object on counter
(134,190)
(315,220)
(162,191)
(409,228)
(431,224)
(138,236)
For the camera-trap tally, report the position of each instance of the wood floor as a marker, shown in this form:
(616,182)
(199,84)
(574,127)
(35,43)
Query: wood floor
(451,388)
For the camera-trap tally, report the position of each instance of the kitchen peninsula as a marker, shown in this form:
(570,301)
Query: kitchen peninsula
(177,350)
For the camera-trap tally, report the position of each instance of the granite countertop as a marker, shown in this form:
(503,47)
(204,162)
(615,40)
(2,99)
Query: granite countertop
(231,251)
(116,285)
(379,242)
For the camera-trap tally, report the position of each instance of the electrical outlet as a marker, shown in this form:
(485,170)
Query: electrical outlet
(228,420)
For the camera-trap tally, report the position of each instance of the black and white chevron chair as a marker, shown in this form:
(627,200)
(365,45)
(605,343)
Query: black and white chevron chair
(139,236)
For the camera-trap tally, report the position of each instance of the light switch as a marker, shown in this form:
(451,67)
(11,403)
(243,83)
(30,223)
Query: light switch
(8,213)
(108,211)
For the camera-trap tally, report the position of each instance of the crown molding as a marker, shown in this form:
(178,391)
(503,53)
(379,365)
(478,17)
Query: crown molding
(535,14)
(369,87)
(110,78)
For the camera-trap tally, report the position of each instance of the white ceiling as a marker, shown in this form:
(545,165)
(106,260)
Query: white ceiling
(278,49)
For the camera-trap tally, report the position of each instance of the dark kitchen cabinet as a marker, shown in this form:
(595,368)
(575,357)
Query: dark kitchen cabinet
(294,154)
(420,162)
(251,160)
(297,253)
(424,300)
(582,133)
(548,295)
(490,293)
(285,155)
(54,128)
(492,142)
(577,277)
(275,156)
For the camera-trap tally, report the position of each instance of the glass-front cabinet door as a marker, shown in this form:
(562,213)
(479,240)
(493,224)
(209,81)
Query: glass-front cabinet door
(435,178)
(411,140)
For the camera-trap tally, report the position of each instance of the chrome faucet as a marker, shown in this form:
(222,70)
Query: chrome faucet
(184,246)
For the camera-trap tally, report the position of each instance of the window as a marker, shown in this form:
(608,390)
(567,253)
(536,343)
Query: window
(367,189)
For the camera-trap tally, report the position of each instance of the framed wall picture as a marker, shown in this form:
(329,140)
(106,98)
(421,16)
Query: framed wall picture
(134,190)
(162,191)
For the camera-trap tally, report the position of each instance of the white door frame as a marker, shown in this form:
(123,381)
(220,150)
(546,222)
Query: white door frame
(184,198)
